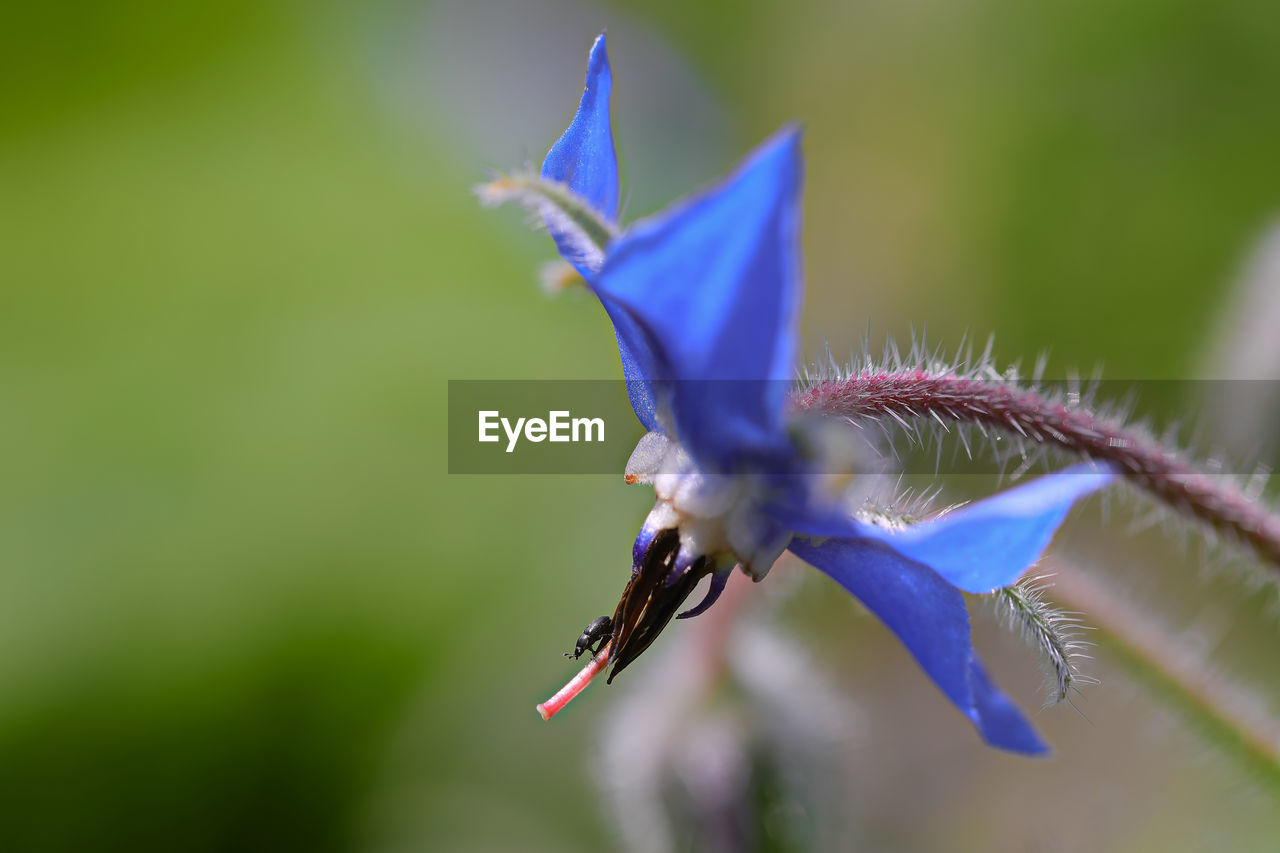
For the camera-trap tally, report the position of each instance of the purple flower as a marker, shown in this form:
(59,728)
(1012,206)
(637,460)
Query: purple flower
(704,300)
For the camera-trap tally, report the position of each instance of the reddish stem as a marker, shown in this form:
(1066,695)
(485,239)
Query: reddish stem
(1004,405)
(576,685)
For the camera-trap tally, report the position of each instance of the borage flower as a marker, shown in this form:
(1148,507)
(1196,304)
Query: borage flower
(704,299)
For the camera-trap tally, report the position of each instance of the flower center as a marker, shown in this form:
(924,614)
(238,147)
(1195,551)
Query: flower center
(719,518)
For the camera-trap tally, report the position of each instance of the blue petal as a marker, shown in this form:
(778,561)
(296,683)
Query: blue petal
(638,366)
(709,294)
(981,547)
(989,544)
(583,157)
(928,615)
(1003,724)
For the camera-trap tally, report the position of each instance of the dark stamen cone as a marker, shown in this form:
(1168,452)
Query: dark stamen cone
(648,603)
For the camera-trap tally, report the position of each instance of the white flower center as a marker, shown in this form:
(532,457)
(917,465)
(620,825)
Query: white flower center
(719,516)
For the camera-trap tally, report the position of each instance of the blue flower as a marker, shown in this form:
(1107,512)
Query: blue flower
(704,299)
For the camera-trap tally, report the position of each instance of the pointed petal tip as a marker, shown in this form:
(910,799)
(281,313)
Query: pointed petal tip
(1106,472)
(784,144)
(1029,749)
(999,721)
(583,158)
(792,132)
(598,56)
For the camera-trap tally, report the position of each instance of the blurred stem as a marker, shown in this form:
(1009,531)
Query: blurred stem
(716,625)
(1004,405)
(1230,718)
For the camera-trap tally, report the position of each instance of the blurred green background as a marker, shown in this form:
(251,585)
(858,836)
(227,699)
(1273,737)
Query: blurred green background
(242,604)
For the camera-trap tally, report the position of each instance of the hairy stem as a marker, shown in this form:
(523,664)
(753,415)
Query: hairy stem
(1235,721)
(1212,499)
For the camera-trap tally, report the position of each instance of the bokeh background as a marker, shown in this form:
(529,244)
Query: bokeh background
(243,605)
